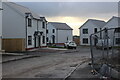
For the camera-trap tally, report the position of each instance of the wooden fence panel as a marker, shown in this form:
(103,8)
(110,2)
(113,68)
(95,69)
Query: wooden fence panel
(13,44)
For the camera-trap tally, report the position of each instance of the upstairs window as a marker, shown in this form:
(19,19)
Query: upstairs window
(29,40)
(43,25)
(47,31)
(85,31)
(29,22)
(95,30)
(53,30)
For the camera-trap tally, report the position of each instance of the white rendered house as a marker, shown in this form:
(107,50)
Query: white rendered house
(114,22)
(22,28)
(89,27)
(58,33)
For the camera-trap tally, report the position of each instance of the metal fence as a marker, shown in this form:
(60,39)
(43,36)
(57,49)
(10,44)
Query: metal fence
(105,52)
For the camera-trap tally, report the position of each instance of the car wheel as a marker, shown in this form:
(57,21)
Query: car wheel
(68,47)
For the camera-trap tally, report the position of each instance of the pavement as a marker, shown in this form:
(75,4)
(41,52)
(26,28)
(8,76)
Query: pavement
(83,72)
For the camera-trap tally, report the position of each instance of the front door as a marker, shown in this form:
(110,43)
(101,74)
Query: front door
(53,39)
(39,41)
(35,42)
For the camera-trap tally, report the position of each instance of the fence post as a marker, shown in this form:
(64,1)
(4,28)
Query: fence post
(91,48)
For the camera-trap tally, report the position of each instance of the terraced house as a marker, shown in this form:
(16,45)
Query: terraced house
(22,28)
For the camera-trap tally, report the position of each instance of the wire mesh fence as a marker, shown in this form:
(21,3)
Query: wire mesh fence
(105,52)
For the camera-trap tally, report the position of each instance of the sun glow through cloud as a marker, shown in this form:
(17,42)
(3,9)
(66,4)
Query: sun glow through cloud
(73,22)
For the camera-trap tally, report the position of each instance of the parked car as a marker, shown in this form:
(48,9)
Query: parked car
(70,44)
(102,43)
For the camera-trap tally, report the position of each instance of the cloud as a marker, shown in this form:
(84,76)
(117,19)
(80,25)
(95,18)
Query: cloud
(73,13)
(74,9)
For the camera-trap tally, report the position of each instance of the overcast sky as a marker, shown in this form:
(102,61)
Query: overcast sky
(73,13)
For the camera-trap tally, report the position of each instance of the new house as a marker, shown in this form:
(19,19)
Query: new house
(114,34)
(22,28)
(89,27)
(0,24)
(58,33)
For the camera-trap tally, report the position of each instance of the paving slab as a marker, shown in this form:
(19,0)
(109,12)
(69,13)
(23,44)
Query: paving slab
(83,72)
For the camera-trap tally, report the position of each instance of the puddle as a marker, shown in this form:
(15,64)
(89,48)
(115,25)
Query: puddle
(73,65)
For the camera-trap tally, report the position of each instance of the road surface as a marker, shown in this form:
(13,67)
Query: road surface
(54,65)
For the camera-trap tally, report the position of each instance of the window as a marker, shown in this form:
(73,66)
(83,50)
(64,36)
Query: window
(95,30)
(29,40)
(117,40)
(29,22)
(43,25)
(53,31)
(47,31)
(47,39)
(85,31)
(85,40)
(43,40)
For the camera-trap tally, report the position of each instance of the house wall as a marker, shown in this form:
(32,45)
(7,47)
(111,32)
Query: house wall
(0,25)
(60,35)
(30,32)
(63,34)
(36,26)
(90,28)
(13,23)
(112,23)
(44,33)
(50,33)
(13,28)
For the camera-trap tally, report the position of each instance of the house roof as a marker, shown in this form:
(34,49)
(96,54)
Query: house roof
(98,23)
(21,9)
(117,19)
(60,26)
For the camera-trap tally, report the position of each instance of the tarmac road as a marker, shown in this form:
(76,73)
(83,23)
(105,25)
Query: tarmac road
(57,65)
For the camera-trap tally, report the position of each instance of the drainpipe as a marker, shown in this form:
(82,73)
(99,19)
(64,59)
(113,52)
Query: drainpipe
(26,17)
(1,32)
(56,35)
(46,34)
